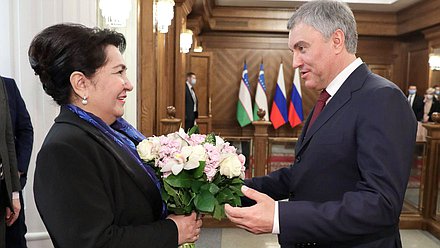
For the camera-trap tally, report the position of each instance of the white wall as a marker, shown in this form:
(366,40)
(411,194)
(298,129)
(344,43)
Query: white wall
(21,20)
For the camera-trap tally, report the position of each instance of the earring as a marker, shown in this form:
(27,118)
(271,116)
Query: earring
(84,100)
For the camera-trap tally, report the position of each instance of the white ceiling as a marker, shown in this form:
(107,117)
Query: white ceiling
(369,5)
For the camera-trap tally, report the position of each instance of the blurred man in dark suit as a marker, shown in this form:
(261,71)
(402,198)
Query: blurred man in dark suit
(416,102)
(191,103)
(9,178)
(24,138)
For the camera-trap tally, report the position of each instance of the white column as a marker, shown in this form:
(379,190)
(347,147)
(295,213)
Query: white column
(21,21)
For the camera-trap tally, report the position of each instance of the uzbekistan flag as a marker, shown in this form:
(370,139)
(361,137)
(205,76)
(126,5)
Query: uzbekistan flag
(278,114)
(260,96)
(295,107)
(244,105)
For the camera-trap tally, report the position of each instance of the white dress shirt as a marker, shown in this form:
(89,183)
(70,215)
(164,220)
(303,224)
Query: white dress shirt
(193,95)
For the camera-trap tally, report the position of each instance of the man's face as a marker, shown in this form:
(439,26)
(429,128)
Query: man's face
(412,88)
(192,79)
(313,55)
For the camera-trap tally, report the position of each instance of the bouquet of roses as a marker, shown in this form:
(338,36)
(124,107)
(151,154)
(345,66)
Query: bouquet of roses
(198,172)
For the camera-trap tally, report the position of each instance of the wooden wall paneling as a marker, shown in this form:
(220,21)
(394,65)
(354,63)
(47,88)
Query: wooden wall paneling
(432,35)
(201,64)
(147,68)
(182,9)
(228,64)
(419,16)
(418,69)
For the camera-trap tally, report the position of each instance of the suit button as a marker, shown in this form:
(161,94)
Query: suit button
(298,159)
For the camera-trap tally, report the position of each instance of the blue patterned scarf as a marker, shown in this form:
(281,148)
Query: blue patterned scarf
(118,132)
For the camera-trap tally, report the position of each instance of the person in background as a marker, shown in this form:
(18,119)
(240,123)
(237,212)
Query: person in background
(353,158)
(437,92)
(431,105)
(24,139)
(91,188)
(416,102)
(191,103)
(9,180)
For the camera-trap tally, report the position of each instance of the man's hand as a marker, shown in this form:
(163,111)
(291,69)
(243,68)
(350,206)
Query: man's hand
(11,216)
(256,219)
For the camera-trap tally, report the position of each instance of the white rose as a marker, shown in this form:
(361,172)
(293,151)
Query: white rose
(230,166)
(193,154)
(148,149)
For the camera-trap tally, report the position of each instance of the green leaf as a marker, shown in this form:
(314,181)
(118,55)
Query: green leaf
(212,188)
(170,190)
(195,186)
(193,130)
(237,180)
(219,212)
(198,172)
(236,201)
(210,138)
(182,180)
(225,196)
(205,202)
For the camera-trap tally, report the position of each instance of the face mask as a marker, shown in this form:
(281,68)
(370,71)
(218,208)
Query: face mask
(429,97)
(437,92)
(412,92)
(193,81)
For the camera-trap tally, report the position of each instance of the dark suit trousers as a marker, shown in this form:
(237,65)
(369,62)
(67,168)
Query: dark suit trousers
(15,233)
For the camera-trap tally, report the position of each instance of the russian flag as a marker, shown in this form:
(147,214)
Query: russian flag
(295,107)
(278,114)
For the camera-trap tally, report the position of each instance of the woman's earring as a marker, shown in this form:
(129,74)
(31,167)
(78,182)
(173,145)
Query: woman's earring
(84,100)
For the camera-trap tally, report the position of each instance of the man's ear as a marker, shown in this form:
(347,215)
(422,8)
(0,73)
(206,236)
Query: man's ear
(79,83)
(338,41)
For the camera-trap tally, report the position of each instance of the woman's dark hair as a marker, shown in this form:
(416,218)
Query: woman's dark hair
(59,50)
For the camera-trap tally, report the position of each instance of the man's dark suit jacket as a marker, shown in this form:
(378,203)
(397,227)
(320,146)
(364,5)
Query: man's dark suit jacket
(190,115)
(417,107)
(347,185)
(22,128)
(91,193)
(7,148)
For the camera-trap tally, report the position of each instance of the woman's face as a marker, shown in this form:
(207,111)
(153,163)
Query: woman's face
(108,89)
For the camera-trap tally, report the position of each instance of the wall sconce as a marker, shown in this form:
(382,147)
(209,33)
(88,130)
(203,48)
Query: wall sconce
(434,62)
(185,41)
(115,12)
(164,14)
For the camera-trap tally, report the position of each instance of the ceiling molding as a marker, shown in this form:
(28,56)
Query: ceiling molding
(274,20)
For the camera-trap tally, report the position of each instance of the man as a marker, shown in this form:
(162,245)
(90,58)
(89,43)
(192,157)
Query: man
(24,137)
(416,102)
(347,185)
(9,182)
(191,103)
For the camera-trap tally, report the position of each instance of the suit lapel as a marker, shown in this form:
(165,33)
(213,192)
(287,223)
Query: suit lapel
(138,174)
(342,97)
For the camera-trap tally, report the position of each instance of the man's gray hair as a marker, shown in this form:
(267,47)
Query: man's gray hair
(326,17)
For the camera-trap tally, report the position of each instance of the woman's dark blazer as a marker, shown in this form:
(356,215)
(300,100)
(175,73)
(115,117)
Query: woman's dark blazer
(91,193)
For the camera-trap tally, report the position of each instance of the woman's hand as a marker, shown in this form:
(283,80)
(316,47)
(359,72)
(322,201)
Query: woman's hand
(188,227)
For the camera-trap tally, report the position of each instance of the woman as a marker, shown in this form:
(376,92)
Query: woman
(431,105)
(91,188)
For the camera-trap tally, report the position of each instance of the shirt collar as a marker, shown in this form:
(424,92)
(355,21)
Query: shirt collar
(334,86)
(189,85)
